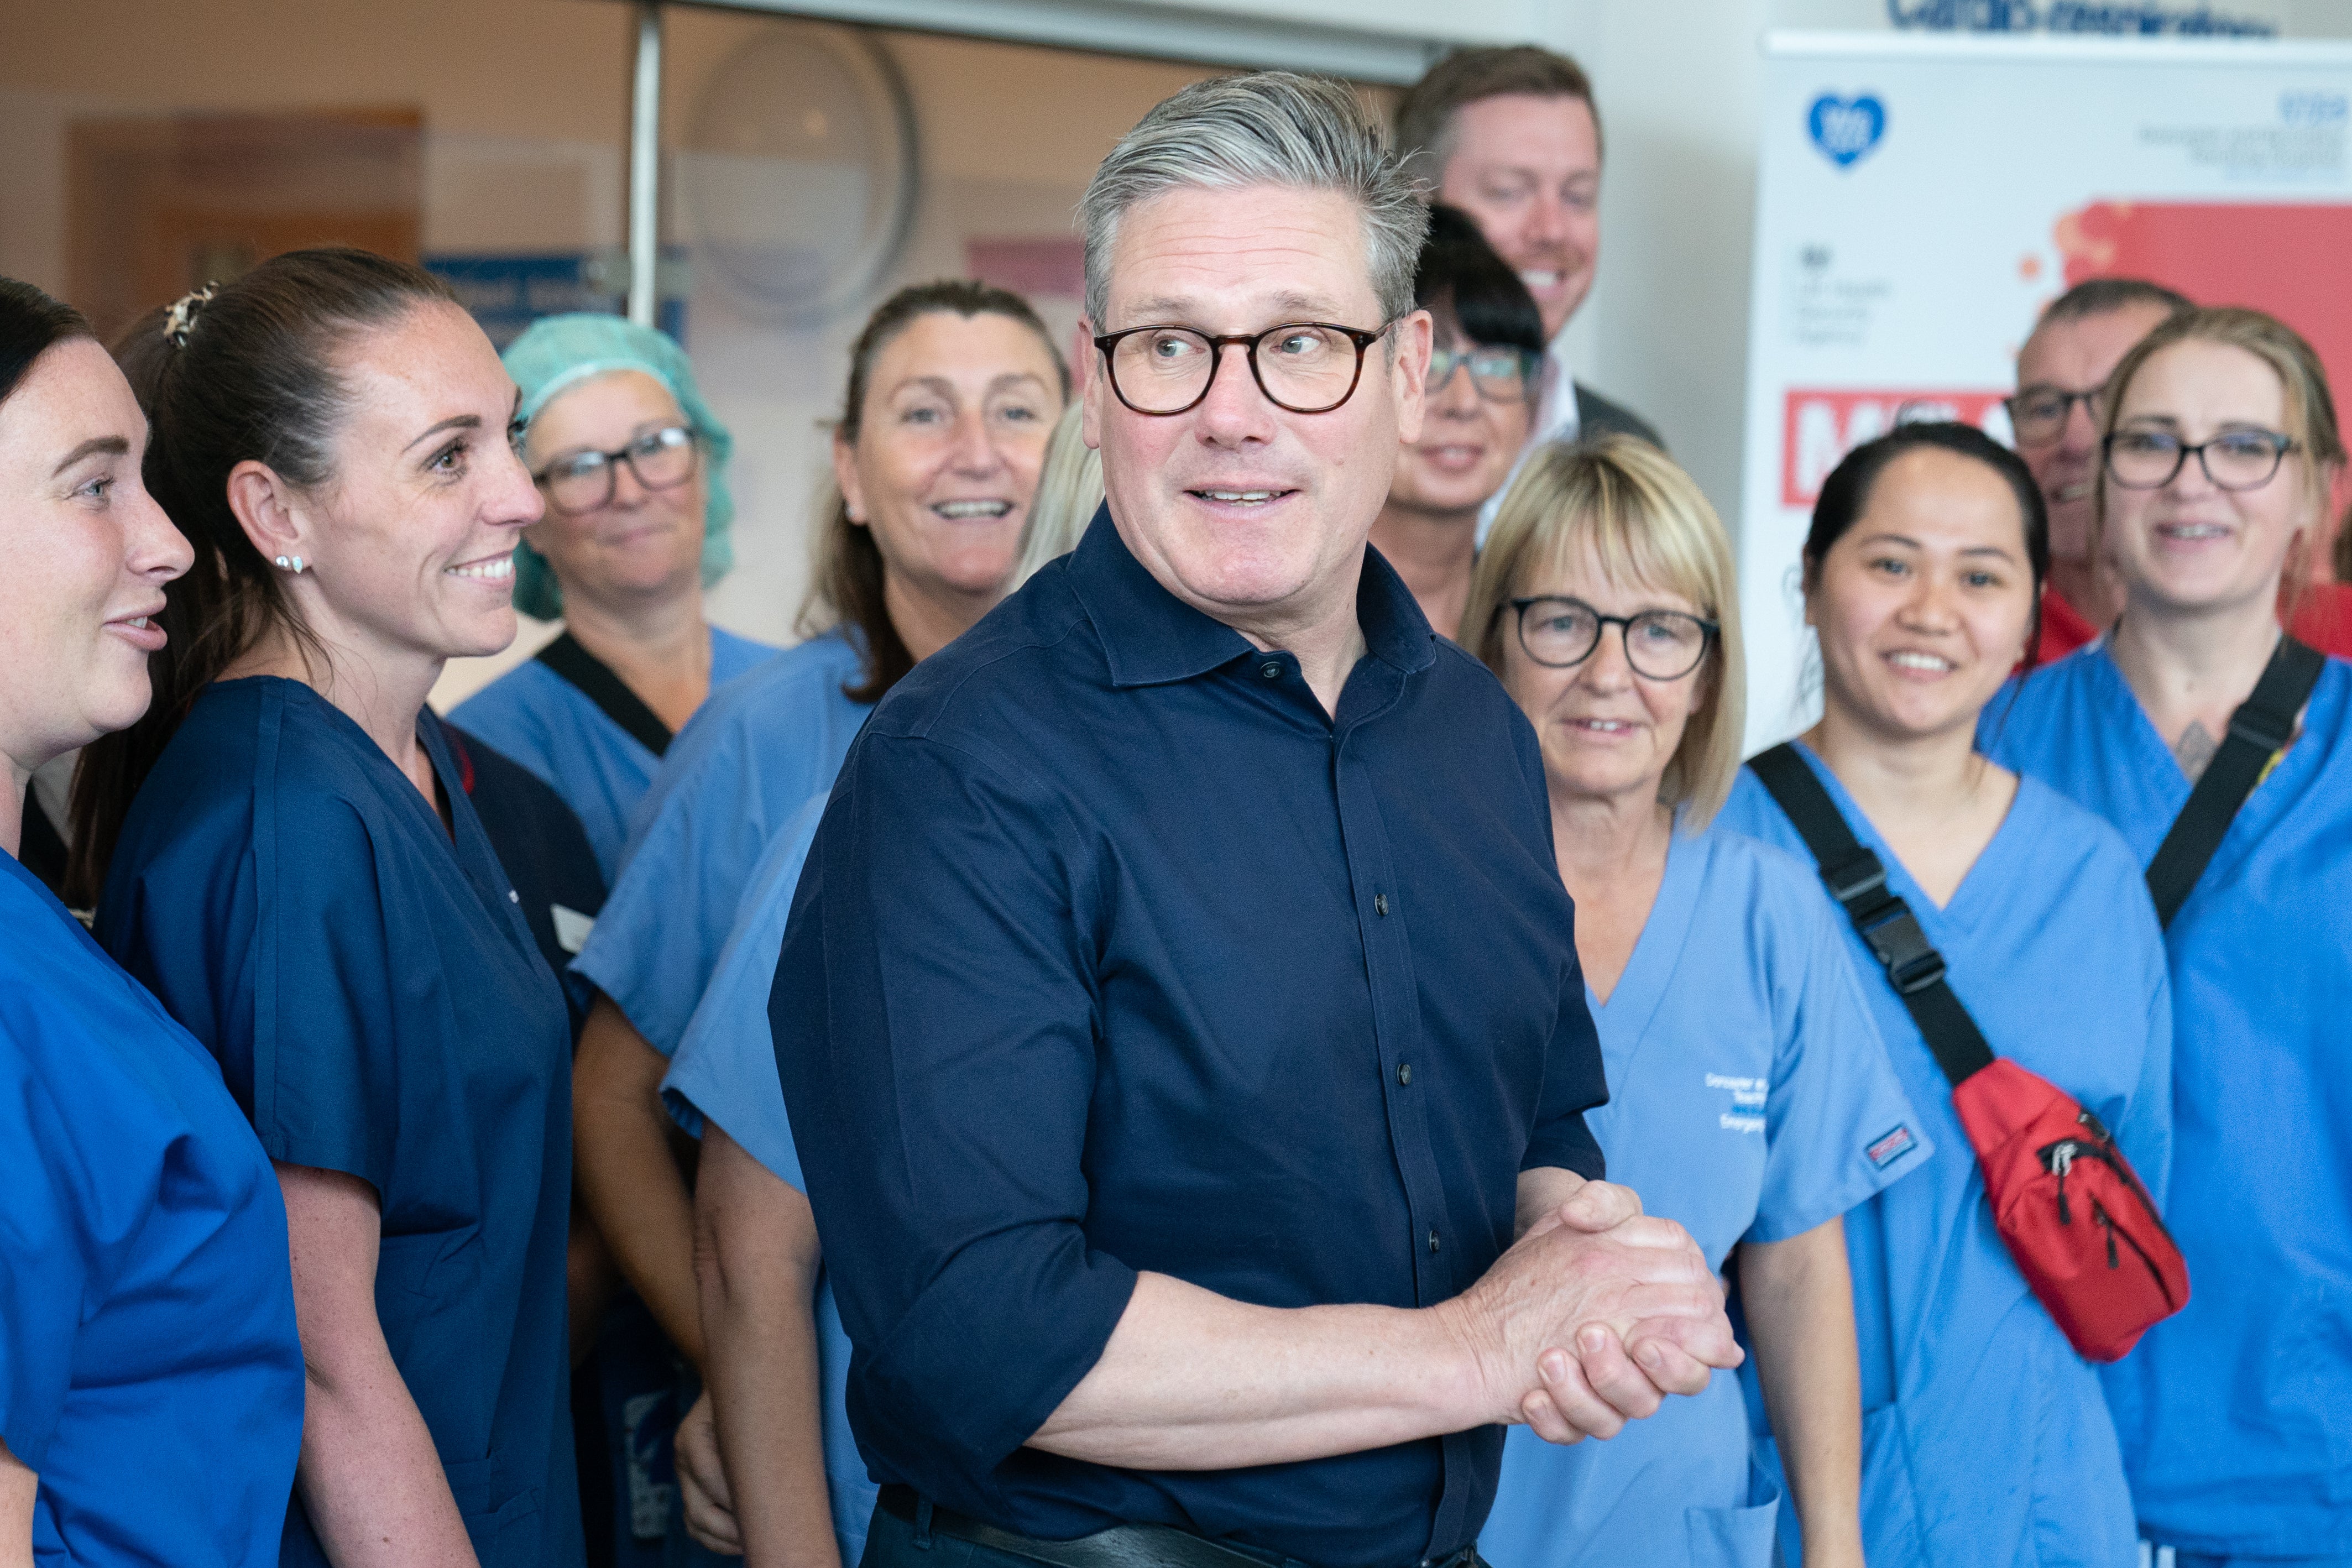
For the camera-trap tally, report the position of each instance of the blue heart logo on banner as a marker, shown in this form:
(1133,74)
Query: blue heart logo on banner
(1846,128)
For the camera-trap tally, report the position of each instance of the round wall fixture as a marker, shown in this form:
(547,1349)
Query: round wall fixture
(798,176)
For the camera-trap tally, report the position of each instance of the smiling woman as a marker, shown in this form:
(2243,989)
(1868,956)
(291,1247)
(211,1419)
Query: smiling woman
(291,863)
(1922,569)
(143,1290)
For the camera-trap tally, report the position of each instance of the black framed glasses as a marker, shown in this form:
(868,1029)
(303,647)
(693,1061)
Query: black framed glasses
(1307,367)
(2038,415)
(2234,460)
(586,481)
(1560,633)
(1499,374)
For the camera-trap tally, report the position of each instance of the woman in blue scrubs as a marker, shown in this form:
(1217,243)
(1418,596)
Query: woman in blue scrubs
(1750,1097)
(1986,1441)
(633,465)
(150,1380)
(301,879)
(2236,1414)
(953,388)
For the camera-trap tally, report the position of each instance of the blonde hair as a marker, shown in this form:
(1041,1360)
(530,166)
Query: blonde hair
(1623,505)
(2310,413)
(1069,492)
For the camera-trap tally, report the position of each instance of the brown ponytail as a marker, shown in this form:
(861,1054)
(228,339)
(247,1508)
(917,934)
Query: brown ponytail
(845,579)
(244,371)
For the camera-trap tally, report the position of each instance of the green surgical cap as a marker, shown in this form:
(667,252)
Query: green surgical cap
(556,353)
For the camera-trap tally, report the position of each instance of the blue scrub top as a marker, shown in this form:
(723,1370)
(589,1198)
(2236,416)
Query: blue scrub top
(150,1372)
(1750,1098)
(756,750)
(725,1071)
(1986,1440)
(556,729)
(2236,1414)
(377,1004)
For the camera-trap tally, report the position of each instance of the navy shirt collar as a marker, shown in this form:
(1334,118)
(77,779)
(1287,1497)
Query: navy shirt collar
(1150,636)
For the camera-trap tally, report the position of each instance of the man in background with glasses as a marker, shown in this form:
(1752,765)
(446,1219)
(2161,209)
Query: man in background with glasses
(1180,1017)
(2055,419)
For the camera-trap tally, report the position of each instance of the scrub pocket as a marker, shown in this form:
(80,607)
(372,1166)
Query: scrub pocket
(1736,1537)
(503,1526)
(1891,1536)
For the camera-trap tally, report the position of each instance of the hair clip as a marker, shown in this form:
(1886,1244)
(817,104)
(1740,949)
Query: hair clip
(183,315)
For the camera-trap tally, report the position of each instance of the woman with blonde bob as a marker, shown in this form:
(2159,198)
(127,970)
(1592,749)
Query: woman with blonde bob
(1750,1096)
(2221,451)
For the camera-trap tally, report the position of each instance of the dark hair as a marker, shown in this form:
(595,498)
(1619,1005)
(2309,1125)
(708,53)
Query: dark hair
(845,579)
(248,372)
(1425,115)
(31,324)
(1460,272)
(1845,495)
(2100,296)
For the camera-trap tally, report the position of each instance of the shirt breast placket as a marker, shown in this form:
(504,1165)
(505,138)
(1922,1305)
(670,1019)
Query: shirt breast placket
(1397,1041)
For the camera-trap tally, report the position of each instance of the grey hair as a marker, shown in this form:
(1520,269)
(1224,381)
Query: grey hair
(1269,128)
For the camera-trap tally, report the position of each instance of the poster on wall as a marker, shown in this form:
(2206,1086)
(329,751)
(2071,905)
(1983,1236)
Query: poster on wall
(1921,198)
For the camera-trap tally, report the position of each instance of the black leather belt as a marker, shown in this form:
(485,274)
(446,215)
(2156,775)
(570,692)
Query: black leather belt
(1121,1546)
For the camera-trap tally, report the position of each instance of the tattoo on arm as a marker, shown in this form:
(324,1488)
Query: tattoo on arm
(2194,750)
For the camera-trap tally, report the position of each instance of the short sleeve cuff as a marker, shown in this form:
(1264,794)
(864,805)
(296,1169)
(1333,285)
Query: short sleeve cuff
(1566,1144)
(1889,1157)
(982,1369)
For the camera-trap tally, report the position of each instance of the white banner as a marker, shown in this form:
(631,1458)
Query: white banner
(1920,200)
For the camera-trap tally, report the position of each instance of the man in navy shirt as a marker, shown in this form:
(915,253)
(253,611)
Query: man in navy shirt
(1180,1016)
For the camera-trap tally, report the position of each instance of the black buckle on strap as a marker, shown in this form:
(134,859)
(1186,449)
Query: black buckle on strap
(1850,879)
(2268,731)
(1911,962)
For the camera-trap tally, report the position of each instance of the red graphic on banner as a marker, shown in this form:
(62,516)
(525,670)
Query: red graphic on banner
(2292,259)
(1821,426)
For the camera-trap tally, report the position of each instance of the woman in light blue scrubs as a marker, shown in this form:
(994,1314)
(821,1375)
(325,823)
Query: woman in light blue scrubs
(2236,1414)
(1986,1441)
(301,879)
(633,468)
(1750,1098)
(633,465)
(952,389)
(151,1378)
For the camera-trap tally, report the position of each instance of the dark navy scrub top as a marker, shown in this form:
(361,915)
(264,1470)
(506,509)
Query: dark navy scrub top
(366,979)
(149,1368)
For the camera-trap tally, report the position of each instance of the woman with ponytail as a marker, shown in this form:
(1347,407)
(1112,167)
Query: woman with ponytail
(288,858)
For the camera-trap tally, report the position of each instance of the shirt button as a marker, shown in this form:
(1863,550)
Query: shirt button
(1271,669)
(1404,1072)
(1432,1241)
(1379,903)
(513,897)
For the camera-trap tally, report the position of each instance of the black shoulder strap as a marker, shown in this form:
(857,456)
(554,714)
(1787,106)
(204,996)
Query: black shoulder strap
(1857,880)
(42,846)
(2263,723)
(607,690)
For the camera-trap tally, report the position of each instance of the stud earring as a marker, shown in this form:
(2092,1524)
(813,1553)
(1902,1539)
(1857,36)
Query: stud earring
(290,563)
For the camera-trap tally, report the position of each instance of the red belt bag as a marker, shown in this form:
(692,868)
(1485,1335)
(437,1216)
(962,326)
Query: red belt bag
(2066,1202)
